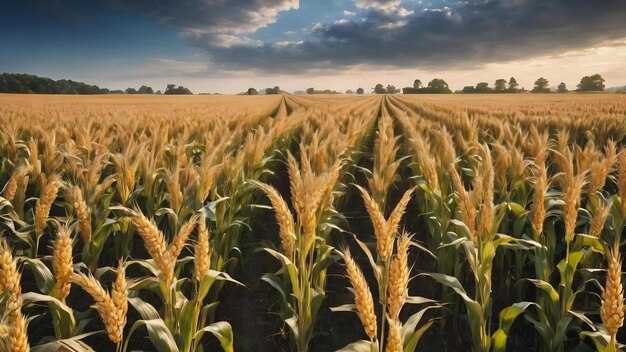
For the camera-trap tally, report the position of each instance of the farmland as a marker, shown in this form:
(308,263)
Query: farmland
(312,223)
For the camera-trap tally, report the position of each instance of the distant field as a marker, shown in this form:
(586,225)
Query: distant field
(312,223)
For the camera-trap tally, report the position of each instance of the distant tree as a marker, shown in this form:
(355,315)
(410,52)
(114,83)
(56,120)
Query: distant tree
(145,90)
(379,89)
(417,84)
(360,91)
(562,88)
(270,91)
(349,91)
(325,91)
(30,84)
(171,89)
(541,86)
(438,85)
(252,91)
(391,89)
(513,85)
(130,91)
(500,85)
(158,92)
(468,89)
(482,87)
(591,83)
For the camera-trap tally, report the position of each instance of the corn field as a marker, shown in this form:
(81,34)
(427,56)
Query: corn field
(326,223)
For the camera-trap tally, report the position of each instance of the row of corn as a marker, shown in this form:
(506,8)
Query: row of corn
(488,222)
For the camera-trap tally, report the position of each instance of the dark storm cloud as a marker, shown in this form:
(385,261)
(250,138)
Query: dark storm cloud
(211,16)
(389,33)
(468,33)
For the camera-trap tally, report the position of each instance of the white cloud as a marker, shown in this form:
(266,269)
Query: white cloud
(378,4)
(286,43)
(229,40)
(348,13)
(317,27)
(342,21)
(393,25)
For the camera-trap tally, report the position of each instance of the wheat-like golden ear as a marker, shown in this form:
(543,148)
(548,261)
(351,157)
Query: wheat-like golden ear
(464,202)
(487,210)
(396,215)
(82,213)
(599,219)
(598,172)
(378,221)
(17,334)
(62,262)
(44,203)
(394,340)
(622,180)
(119,294)
(612,311)
(202,258)
(107,310)
(397,289)
(178,243)
(16,182)
(427,163)
(540,189)
(298,198)
(10,283)
(207,179)
(572,196)
(155,244)
(284,218)
(501,165)
(362,297)
(445,148)
(9,276)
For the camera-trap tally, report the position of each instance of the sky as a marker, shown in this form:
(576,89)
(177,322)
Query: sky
(228,46)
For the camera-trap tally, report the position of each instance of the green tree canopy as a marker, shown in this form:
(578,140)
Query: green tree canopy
(438,85)
(541,86)
(171,89)
(145,90)
(482,87)
(468,89)
(500,85)
(591,83)
(513,85)
(30,84)
(379,89)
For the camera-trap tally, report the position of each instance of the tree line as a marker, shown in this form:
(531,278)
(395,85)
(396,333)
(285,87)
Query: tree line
(31,84)
(593,83)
